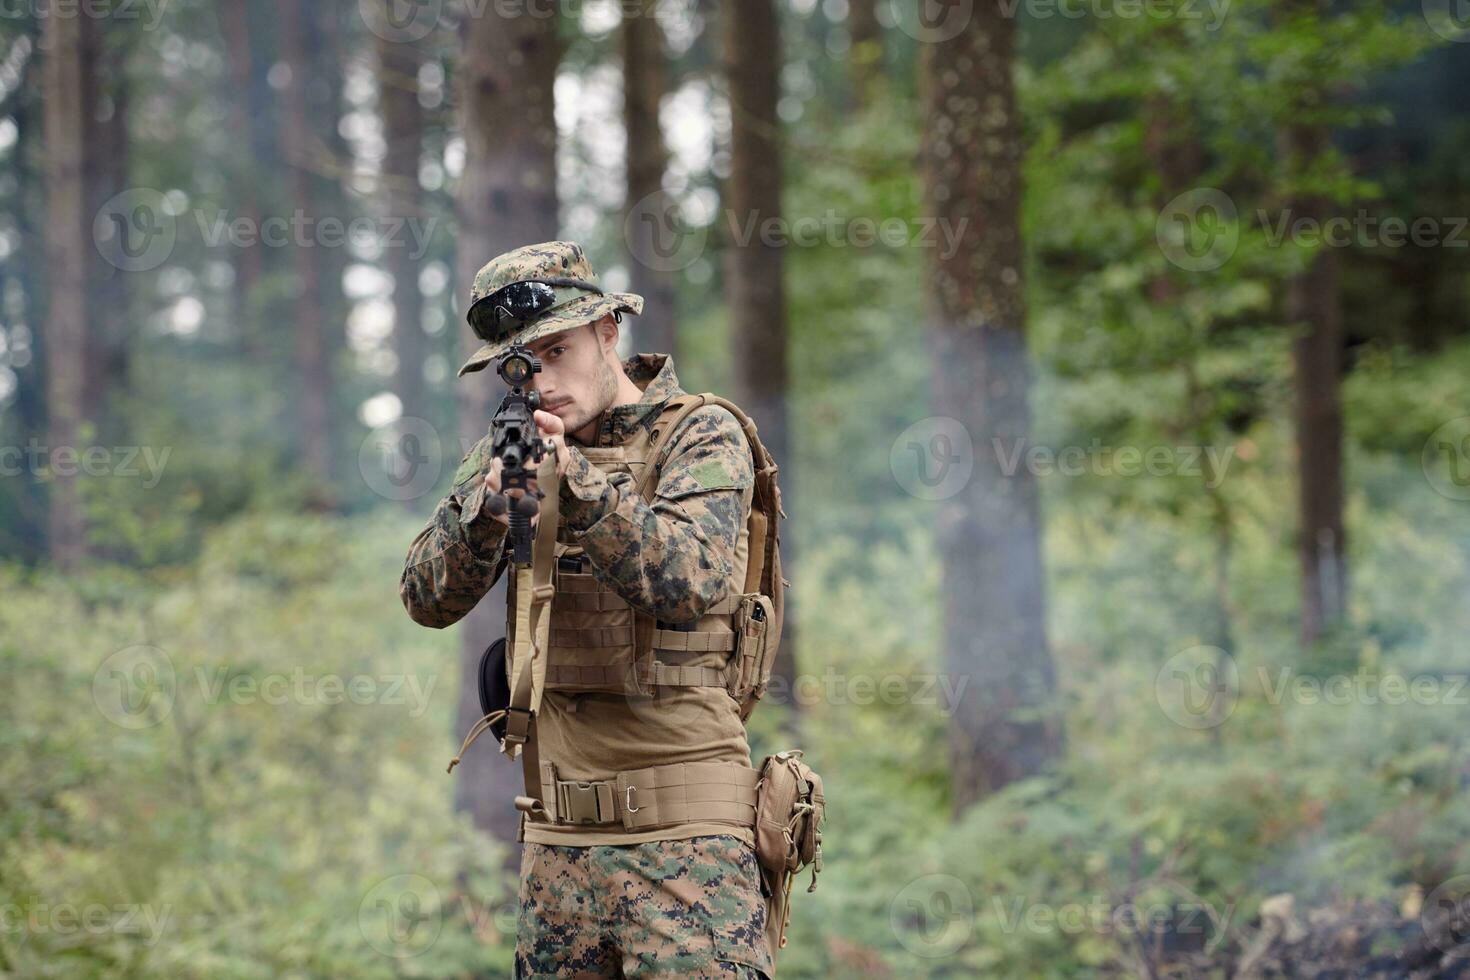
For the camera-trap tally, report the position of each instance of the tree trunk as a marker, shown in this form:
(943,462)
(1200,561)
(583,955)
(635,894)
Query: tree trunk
(507,198)
(866,56)
(648,207)
(754,291)
(105,169)
(1313,305)
(403,129)
(235,28)
(1006,727)
(68,245)
(313,369)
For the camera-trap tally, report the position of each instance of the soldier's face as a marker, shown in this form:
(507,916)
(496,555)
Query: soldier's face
(577,381)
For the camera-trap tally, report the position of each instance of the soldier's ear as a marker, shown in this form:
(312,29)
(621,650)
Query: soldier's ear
(606,329)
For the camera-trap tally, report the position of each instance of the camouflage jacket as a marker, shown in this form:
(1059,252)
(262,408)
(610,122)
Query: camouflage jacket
(672,559)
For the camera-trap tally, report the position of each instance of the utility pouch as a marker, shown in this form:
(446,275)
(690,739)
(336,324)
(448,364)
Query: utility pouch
(789,808)
(749,670)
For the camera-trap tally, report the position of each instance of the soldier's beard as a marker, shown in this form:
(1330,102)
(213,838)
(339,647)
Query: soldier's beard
(604,392)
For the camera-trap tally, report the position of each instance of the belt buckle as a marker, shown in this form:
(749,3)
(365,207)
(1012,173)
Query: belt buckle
(577,802)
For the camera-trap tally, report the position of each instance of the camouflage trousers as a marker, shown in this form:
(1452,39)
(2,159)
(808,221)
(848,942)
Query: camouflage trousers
(674,908)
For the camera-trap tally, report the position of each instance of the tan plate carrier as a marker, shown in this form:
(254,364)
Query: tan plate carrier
(568,632)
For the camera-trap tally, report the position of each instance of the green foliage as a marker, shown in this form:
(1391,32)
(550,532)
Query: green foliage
(244,821)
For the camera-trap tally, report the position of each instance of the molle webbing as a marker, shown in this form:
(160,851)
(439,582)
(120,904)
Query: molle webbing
(602,675)
(659,796)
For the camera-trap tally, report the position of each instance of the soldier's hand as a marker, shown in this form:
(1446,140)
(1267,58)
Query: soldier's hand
(492,486)
(552,427)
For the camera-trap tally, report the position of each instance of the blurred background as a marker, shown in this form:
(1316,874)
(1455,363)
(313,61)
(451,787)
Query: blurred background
(1114,353)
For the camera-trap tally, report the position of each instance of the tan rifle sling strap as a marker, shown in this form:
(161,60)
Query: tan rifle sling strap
(528,644)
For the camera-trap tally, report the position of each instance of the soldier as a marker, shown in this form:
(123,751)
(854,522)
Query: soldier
(642,864)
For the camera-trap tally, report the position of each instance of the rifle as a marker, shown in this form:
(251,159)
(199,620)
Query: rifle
(515,442)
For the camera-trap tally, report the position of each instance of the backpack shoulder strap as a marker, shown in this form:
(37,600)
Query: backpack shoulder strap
(767,495)
(675,411)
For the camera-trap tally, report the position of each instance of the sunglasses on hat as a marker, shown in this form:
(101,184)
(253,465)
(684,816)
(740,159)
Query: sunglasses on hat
(498,315)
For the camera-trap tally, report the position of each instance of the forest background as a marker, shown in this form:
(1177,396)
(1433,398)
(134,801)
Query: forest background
(1113,352)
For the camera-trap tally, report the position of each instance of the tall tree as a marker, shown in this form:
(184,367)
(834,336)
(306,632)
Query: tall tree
(989,533)
(403,130)
(312,363)
(647,212)
(1314,308)
(105,172)
(754,289)
(239,54)
(67,247)
(507,198)
(866,56)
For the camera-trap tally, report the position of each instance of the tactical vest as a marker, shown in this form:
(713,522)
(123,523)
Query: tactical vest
(598,643)
(571,634)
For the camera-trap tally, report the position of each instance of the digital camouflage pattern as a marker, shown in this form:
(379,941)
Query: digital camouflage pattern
(680,908)
(673,558)
(549,260)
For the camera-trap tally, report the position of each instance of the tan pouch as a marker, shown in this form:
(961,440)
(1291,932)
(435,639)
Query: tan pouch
(749,671)
(789,808)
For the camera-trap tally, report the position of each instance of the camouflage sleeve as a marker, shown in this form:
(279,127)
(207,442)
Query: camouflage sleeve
(458,555)
(673,559)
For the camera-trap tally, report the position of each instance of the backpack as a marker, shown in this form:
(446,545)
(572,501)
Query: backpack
(760,615)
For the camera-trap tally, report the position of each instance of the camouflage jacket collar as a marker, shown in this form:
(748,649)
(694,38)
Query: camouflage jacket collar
(654,373)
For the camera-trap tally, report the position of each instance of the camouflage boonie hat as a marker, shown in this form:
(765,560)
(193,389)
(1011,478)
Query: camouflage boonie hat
(547,261)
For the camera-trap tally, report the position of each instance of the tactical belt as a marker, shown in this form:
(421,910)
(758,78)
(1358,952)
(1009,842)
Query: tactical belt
(659,796)
(671,675)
